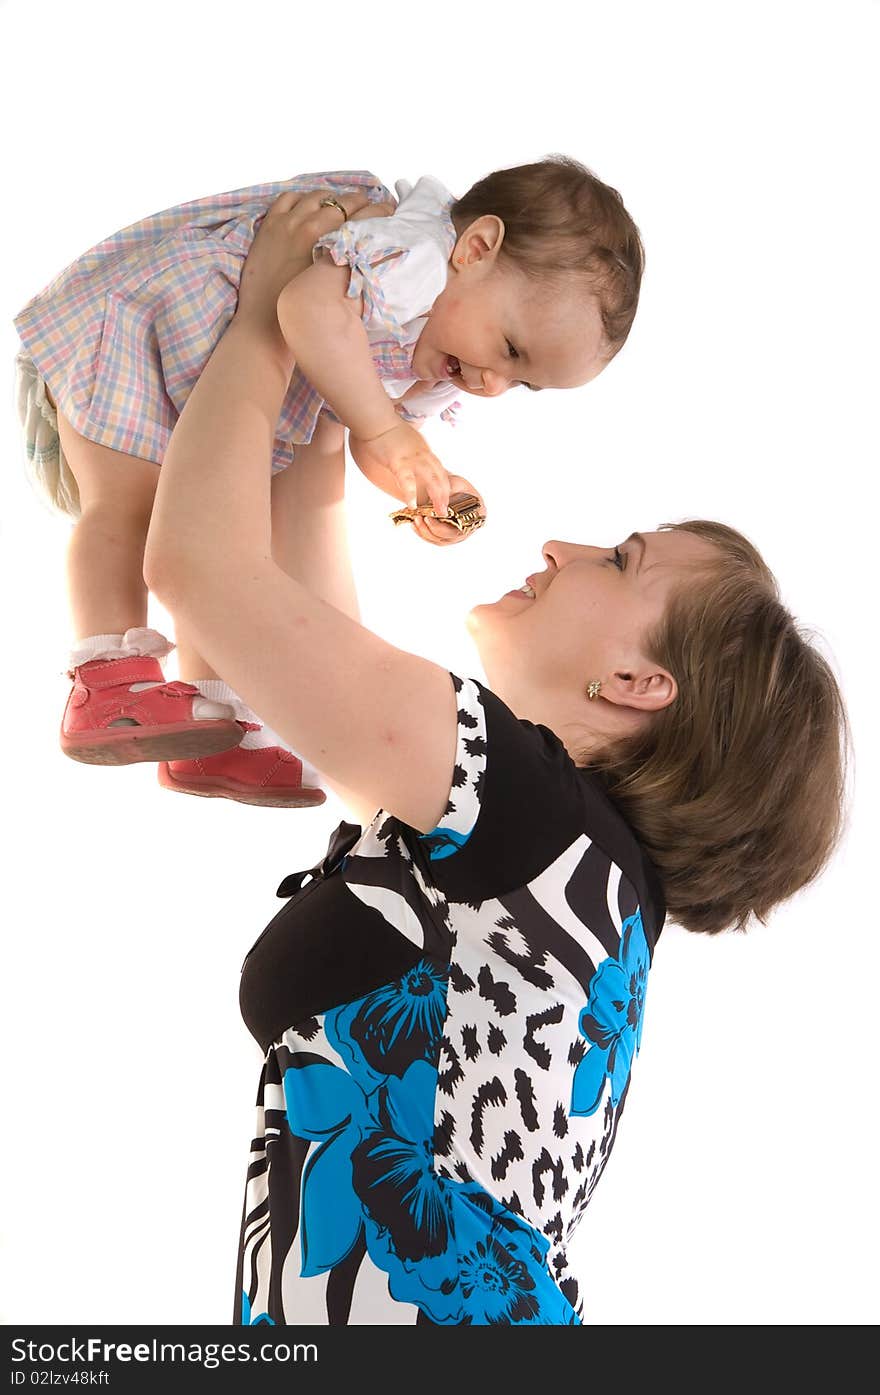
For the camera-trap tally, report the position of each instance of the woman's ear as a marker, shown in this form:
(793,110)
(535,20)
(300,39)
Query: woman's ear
(644,688)
(480,242)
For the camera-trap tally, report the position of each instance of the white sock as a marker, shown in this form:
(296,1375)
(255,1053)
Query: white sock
(139,643)
(218,691)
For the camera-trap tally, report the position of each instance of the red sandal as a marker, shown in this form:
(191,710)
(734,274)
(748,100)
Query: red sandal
(109,720)
(268,775)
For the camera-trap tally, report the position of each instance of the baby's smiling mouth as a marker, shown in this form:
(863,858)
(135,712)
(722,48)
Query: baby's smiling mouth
(454,371)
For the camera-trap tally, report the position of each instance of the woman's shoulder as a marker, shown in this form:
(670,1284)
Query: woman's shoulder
(619,840)
(580,788)
(520,806)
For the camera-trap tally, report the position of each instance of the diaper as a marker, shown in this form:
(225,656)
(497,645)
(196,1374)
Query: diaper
(46,467)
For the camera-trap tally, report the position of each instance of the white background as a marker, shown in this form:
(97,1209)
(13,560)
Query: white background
(743,138)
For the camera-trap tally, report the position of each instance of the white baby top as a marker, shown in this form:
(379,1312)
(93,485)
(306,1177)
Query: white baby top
(400,265)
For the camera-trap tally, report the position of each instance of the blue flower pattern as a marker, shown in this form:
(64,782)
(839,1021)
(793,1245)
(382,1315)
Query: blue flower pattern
(612,1021)
(446,1245)
(247,1317)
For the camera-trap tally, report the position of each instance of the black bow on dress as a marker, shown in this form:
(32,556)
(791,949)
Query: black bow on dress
(342,840)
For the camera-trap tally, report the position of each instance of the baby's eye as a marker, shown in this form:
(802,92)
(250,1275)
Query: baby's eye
(512,351)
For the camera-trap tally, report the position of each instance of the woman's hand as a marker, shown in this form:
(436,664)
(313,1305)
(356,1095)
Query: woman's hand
(283,246)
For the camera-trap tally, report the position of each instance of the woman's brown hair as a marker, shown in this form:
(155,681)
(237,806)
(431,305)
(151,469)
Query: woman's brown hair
(559,220)
(736,791)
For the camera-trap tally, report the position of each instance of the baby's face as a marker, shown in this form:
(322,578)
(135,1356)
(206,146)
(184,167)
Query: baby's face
(493,328)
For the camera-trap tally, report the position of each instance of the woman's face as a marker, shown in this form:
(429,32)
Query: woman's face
(589,618)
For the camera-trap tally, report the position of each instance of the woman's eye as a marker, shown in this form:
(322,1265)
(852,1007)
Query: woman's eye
(618,559)
(512,351)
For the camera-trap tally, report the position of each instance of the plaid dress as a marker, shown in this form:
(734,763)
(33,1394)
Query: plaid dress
(122,334)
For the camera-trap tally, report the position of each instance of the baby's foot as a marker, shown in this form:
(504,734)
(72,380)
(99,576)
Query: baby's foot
(268,776)
(120,711)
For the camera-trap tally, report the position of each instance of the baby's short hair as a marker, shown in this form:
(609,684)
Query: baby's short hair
(560,219)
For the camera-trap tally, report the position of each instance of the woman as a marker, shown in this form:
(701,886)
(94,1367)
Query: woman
(451,1005)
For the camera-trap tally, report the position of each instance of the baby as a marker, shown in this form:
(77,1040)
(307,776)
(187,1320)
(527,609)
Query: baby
(531,279)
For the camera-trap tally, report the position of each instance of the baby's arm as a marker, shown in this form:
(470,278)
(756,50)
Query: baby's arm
(323,328)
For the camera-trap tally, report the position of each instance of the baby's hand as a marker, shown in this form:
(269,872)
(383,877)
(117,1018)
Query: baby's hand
(434,530)
(418,476)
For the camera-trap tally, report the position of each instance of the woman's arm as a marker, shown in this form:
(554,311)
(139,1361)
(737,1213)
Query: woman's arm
(310,538)
(374,719)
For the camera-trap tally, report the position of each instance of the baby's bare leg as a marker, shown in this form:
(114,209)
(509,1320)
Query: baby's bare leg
(105,558)
(190,664)
(112,716)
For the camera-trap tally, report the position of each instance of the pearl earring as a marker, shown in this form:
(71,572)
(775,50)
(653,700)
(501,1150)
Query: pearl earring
(594,689)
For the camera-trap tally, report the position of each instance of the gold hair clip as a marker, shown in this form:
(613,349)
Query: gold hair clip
(464,513)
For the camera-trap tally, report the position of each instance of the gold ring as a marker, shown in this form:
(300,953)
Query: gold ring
(334,203)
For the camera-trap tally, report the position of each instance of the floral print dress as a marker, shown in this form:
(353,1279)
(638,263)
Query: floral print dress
(449,1022)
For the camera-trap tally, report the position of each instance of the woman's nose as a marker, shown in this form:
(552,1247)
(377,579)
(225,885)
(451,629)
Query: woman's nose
(556,553)
(560,553)
(494,383)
